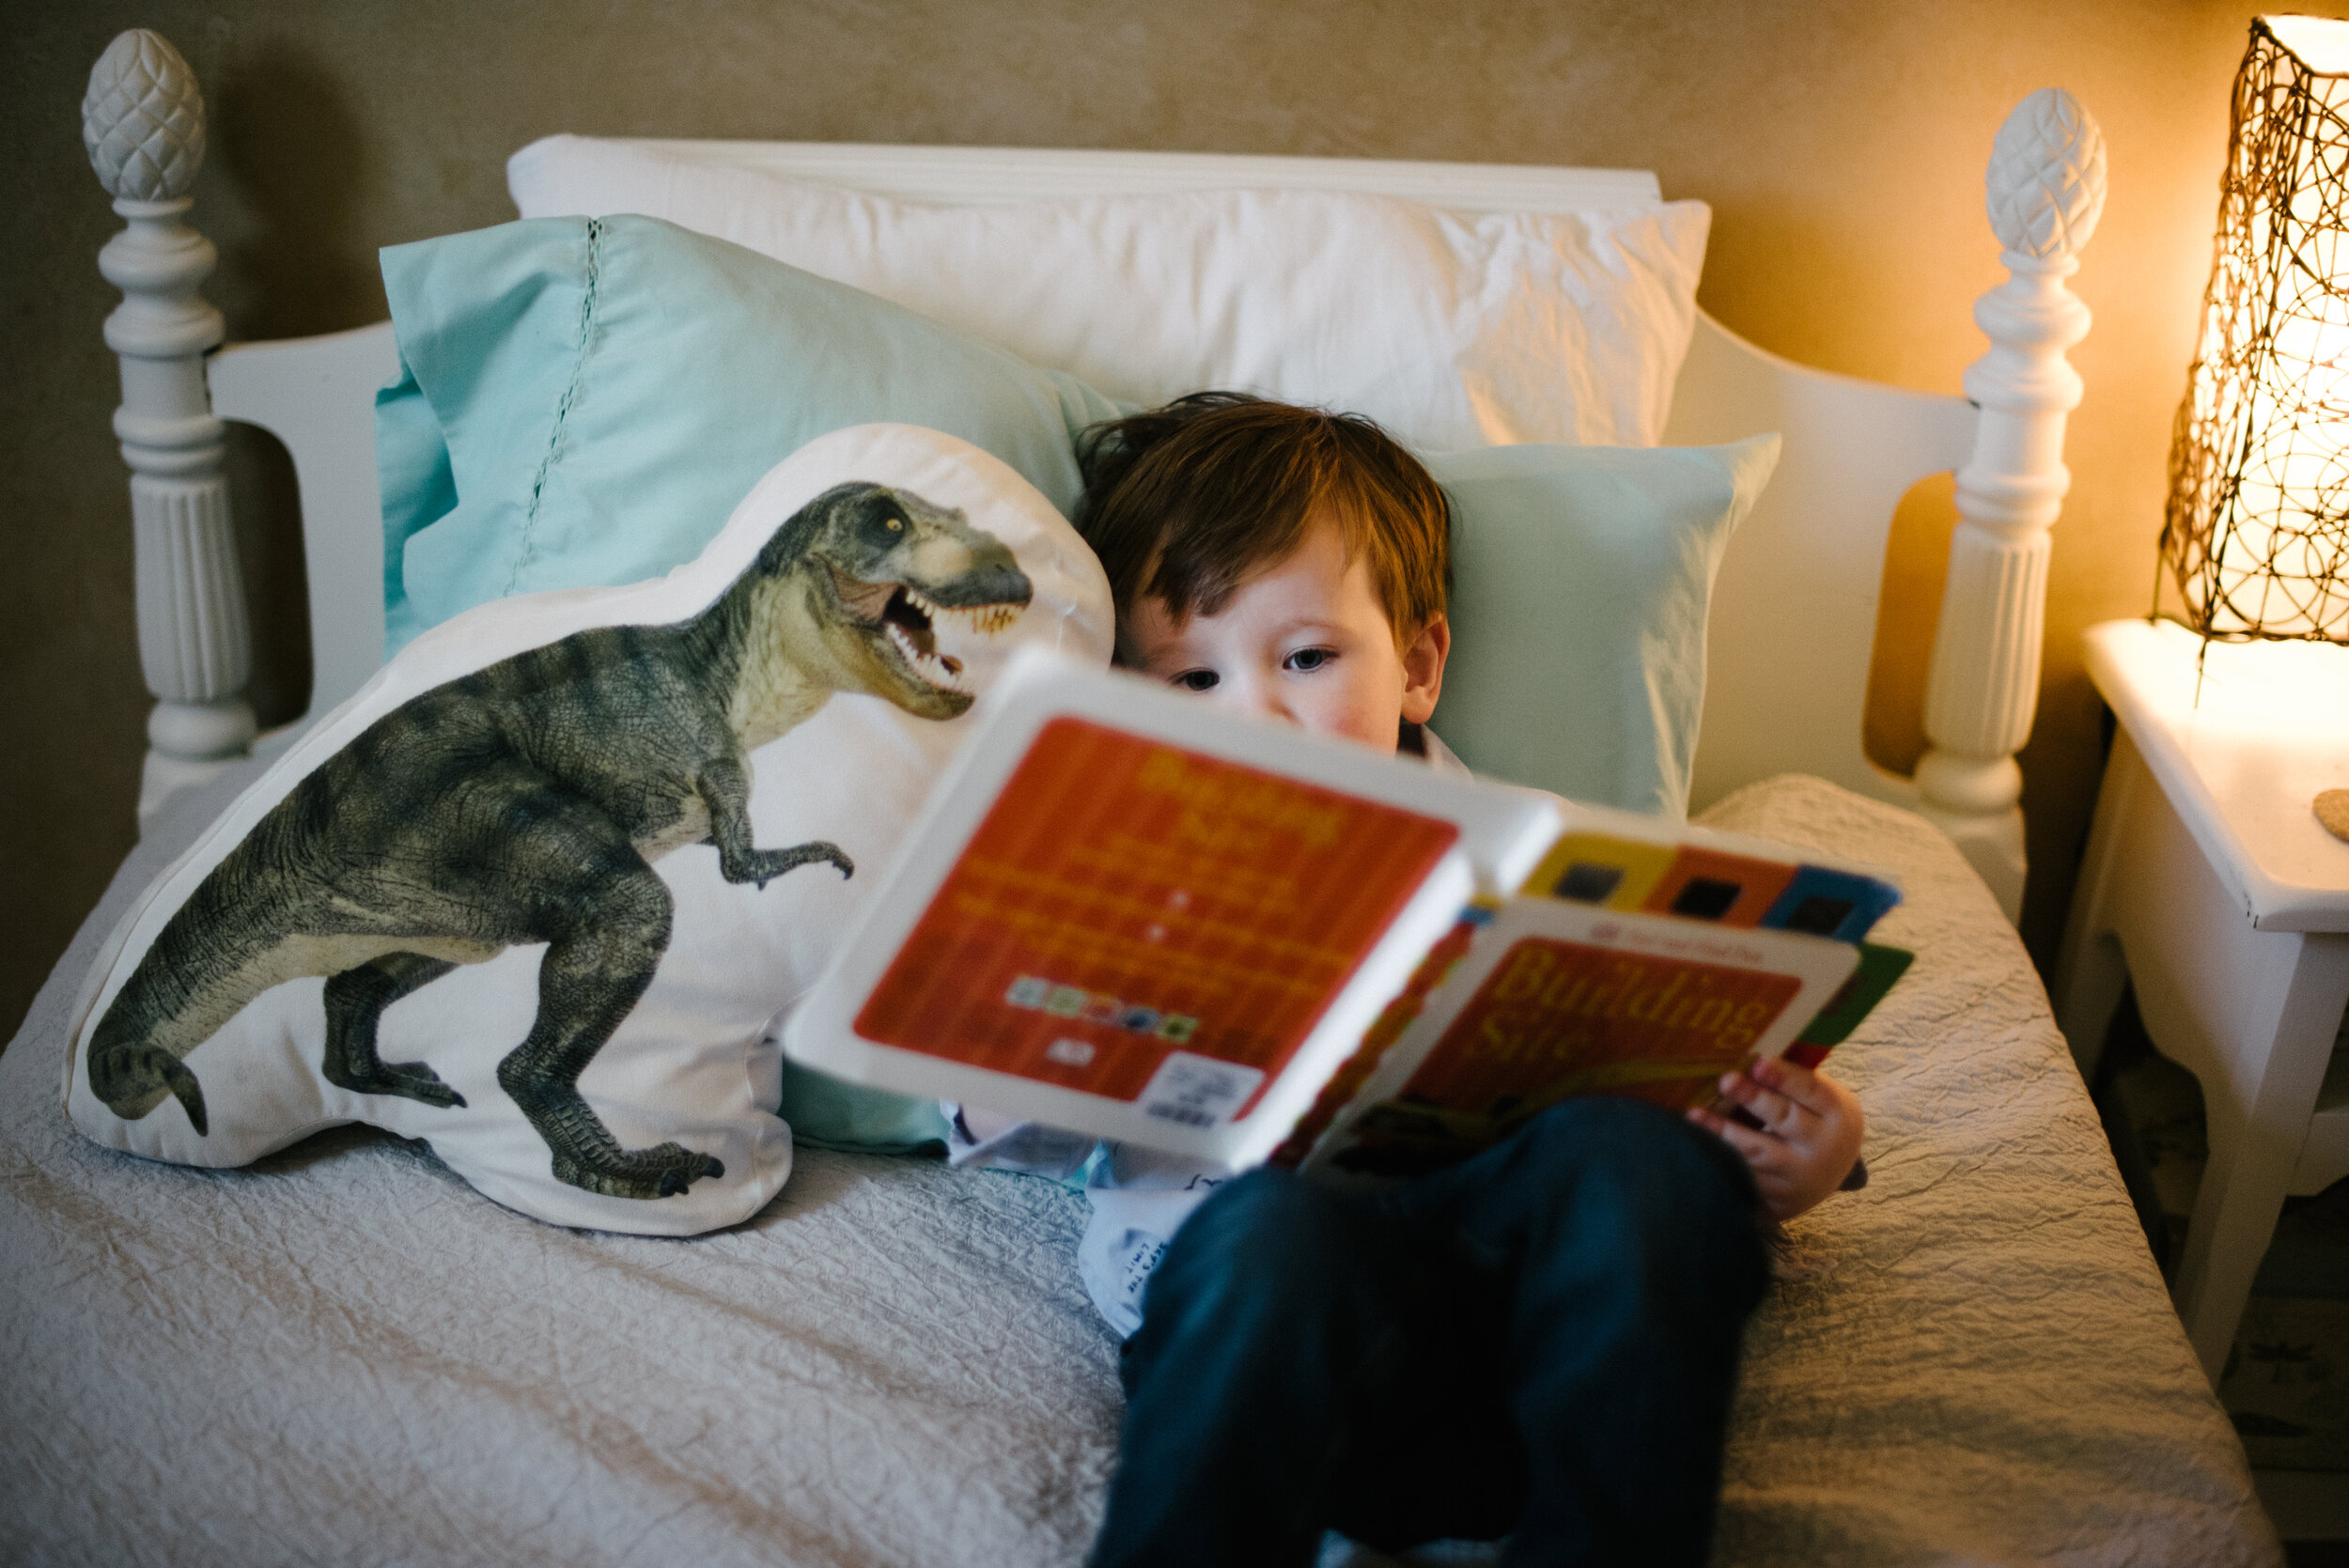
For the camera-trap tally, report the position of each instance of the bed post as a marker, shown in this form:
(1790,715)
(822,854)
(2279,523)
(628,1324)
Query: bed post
(143,122)
(2046,190)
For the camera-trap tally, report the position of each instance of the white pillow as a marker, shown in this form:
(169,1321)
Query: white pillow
(1453,332)
(407,837)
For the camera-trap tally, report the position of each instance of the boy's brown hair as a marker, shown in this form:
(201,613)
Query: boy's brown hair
(1183,503)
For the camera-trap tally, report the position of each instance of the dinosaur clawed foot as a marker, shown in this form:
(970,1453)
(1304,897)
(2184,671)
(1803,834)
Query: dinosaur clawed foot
(409,1079)
(664,1170)
(132,1081)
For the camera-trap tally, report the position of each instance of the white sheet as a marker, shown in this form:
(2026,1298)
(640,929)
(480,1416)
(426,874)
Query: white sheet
(345,1356)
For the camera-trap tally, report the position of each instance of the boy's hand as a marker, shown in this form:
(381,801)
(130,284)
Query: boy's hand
(1809,1137)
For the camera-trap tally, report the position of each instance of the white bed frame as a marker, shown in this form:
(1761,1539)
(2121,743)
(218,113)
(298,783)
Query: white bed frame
(1794,615)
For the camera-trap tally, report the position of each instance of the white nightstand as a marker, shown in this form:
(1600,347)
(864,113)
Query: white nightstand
(2210,885)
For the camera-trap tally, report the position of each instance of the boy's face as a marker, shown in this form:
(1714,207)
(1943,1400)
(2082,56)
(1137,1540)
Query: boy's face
(1305,640)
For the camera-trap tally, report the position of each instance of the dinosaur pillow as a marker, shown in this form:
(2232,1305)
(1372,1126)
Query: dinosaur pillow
(536,893)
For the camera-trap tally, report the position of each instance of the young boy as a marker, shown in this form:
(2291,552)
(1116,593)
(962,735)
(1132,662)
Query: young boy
(1539,1343)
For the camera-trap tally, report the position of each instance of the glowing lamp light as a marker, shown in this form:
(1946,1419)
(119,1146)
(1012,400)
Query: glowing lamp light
(2256,533)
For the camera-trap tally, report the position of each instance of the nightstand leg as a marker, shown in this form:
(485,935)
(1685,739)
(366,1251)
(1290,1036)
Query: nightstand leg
(2260,1098)
(2090,970)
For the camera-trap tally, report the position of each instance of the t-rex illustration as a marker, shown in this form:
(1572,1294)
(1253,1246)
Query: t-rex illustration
(525,804)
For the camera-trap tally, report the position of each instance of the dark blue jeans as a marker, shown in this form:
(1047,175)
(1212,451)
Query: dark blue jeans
(1539,1343)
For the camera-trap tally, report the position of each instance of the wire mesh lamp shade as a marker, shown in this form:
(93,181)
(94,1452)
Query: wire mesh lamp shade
(2257,534)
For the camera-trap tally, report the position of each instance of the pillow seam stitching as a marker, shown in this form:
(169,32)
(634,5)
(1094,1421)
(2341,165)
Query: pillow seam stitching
(526,550)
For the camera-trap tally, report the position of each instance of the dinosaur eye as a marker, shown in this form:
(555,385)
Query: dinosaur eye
(897,525)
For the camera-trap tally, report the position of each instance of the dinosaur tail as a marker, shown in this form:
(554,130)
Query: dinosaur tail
(212,958)
(132,1075)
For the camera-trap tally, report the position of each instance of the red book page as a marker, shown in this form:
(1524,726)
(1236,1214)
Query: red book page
(1558,1018)
(1554,1019)
(1125,899)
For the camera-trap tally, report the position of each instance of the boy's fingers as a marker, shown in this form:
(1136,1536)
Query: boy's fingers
(1796,1082)
(1775,1110)
(1758,1148)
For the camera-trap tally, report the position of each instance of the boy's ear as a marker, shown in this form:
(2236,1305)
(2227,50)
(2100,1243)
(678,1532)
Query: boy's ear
(1422,669)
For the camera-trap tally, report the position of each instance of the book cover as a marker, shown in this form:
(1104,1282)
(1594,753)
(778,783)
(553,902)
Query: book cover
(1125,912)
(1128,913)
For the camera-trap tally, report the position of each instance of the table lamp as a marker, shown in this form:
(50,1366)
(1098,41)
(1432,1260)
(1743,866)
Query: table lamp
(2256,536)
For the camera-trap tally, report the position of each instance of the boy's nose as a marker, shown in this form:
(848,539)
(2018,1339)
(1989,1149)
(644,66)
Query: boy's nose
(1263,699)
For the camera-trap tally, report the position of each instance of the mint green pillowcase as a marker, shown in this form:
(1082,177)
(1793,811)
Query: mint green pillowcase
(582,402)
(829,1113)
(1581,580)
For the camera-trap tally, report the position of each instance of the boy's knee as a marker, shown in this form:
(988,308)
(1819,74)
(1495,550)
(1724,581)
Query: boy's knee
(1645,1166)
(1266,1225)
(1644,1142)
(1265,1241)
(1620,1190)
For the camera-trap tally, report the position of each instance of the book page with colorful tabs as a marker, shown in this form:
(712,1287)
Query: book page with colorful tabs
(1139,921)
(1556,1000)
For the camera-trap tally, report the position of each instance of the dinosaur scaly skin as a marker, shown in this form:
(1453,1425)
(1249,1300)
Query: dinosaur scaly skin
(525,804)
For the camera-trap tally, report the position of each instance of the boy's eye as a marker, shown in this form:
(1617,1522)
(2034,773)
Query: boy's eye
(1196,681)
(1308,659)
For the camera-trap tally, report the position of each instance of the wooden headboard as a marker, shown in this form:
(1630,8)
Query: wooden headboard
(1794,615)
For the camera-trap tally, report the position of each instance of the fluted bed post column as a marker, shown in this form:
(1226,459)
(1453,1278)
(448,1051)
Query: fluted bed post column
(143,122)
(2046,190)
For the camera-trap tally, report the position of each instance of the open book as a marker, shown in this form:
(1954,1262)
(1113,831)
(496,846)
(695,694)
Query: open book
(1127,913)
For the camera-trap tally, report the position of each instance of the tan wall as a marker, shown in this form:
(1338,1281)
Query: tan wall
(1840,144)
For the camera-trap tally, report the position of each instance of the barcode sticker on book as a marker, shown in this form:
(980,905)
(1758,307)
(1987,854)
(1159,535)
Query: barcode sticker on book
(1198,1090)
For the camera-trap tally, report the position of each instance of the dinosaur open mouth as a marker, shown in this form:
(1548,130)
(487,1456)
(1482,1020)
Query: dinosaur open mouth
(909,620)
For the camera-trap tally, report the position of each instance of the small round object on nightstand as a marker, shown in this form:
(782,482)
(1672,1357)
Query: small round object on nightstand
(2332,808)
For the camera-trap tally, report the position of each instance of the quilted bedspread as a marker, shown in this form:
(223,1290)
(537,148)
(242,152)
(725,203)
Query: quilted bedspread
(345,1356)
(1976,1363)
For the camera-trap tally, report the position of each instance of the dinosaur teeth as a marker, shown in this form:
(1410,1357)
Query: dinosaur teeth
(985,620)
(937,669)
(988,619)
